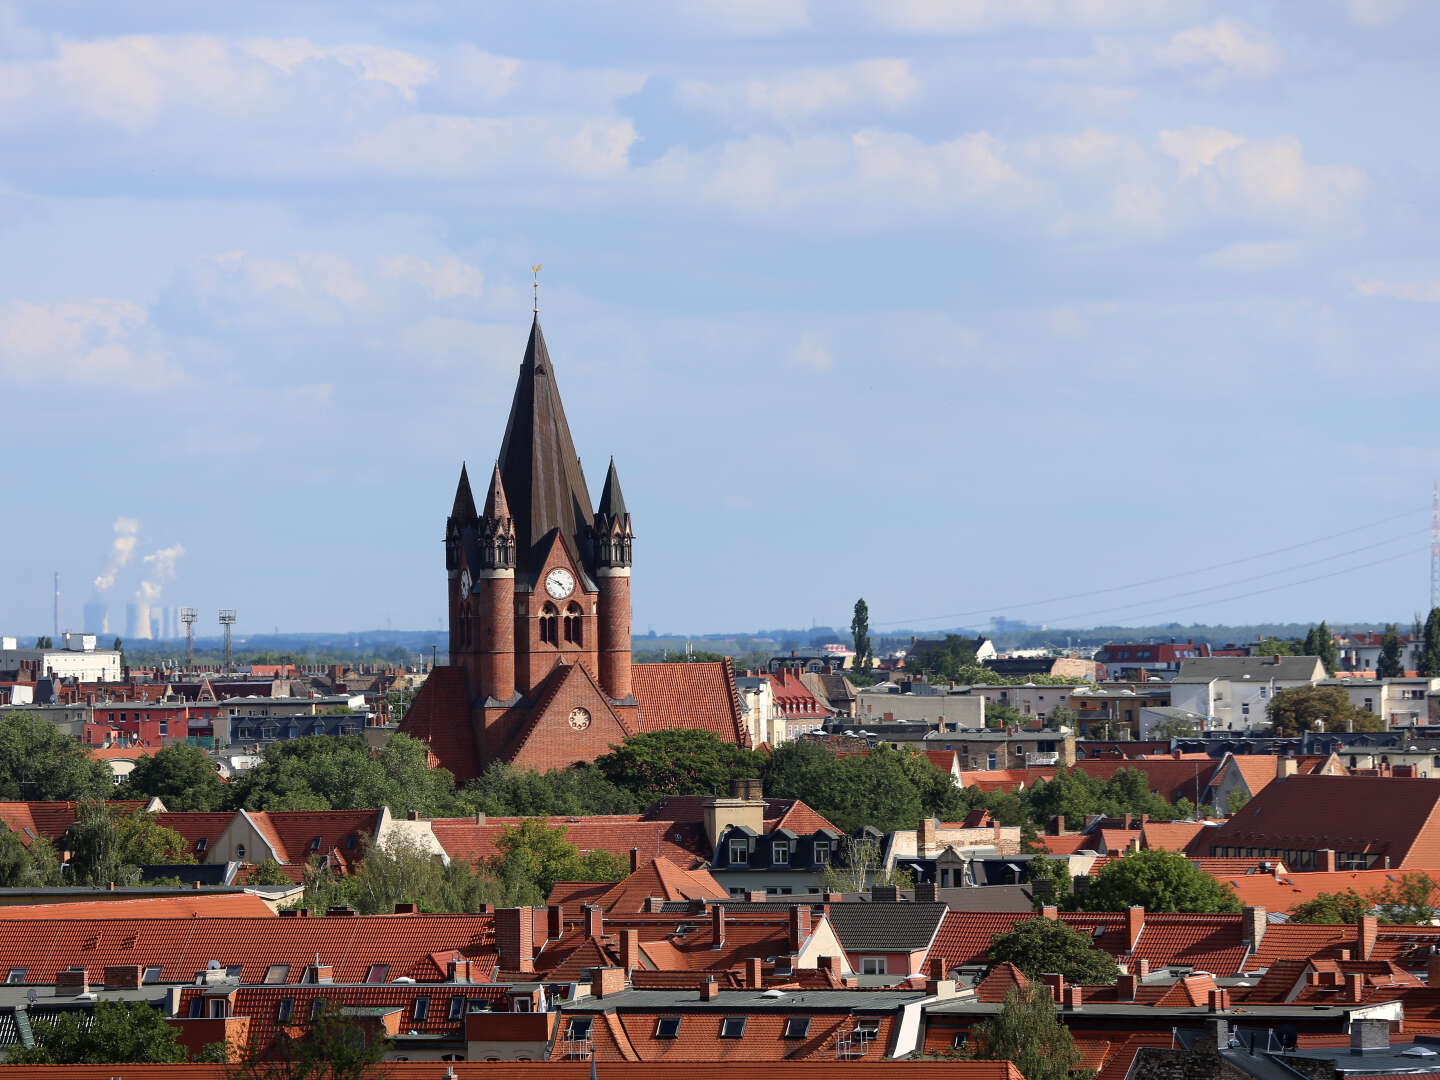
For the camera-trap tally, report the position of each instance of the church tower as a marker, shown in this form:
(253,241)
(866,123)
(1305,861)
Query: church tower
(613,536)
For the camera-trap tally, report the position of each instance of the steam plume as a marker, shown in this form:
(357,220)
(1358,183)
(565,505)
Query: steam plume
(121,548)
(159,568)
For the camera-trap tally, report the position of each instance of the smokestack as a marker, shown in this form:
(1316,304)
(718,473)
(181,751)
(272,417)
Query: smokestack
(57,607)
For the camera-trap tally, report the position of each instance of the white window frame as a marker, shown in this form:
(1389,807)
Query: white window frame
(874,965)
(742,848)
(779,853)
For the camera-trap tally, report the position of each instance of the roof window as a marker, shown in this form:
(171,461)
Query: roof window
(457,1007)
(667,1027)
(317,1006)
(422,1008)
(579,1027)
(151,974)
(197,1006)
(315,843)
(378,973)
(15,975)
(732,1027)
(201,845)
(277,973)
(284,1010)
(796,1027)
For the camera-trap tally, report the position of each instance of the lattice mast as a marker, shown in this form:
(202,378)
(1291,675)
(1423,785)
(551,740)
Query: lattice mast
(227,620)
(188,616)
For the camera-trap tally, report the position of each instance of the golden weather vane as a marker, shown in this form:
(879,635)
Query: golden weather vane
(535,269)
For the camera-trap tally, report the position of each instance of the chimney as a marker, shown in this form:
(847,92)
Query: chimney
(1369,928)
(654,905)
(1074,996)
(1432,970)
(830,964)
(458,971)
(1125,987)
(406,908)
(413,815)
(1369,1035)
(1285,766)
(754,973)
(122,977)
(629,950)
(515,939)
(325,973)
(1056,983)
(1143,968)
(1326,860)
(634,859)
(799,925)
(927,837)
(479,817)
(594,921)
(608,980)
(72,981)
(1051,912)
(709,989)
(1254,927)
(1355,987)
(717,926)
(1056,826)
(1277,658)
(1128,821)
(927,891)
(554,922)
(1134,923)
(1218,1000)
(880,893)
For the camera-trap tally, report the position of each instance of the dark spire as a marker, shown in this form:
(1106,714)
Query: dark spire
(497,528)
(497,508)
(538,464)
(613,534)
(464,508)
(612,502)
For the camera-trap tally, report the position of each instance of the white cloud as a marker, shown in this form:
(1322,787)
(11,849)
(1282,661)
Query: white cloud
(406,72)
(1423,292)
(94,342)
(1085,150)
(1376,12)
(445,279)
(1222,50)
(803,93)
(474,75)
(1253,255)
(318,285)
(1270,176)
(811,354)
(976,16)
(1198,148)
(746,18)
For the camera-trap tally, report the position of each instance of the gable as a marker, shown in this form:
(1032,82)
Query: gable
(571,721)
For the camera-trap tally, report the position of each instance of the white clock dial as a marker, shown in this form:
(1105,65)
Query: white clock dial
(464,584)
(559,583)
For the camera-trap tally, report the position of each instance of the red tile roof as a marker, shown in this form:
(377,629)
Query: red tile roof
(558,1070)
(299,834)
(159,907)
(52,820)
(660,878)
(1169,778)
(700,695)
(440,718)
(1170,836)
(1005,779)
(1283,892)
(467,841)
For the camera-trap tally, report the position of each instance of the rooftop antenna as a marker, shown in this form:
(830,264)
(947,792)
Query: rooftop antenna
(535,269)
(188,615)
(227,620)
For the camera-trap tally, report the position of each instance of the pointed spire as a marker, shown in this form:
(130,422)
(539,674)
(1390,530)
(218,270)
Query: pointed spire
(497,527)
(612,502)
(613,534)
(496,506)
(464,508)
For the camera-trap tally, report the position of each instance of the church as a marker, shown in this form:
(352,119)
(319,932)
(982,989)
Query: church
(540,673)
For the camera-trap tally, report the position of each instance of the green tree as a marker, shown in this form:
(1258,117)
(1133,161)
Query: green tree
(1300,708)
(1027,1031)
(578,791)
(1390,666)
(1341,907)
(108,847)
(1040,946)
(999,715)
(334,1048)
(1158,881)
(16,869)
(268,873)
(534,856)
(1430,657)
(39,762)
(44,642)
(1176,727)
(1235,802)
(1272,646)
(325,772)
(860,631)
(1070,792)
(1061,716)
(120,1032)
(860,863)
(1326,648)
(1412,899)
(678,761)
(1050,879)
(180,775)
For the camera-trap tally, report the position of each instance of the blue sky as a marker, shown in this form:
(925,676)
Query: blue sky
(960,305)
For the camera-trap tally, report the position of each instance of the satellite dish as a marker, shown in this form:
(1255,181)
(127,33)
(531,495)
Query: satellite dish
(213,965)
(32,995)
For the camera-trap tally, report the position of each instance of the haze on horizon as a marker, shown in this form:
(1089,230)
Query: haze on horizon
(1034,310)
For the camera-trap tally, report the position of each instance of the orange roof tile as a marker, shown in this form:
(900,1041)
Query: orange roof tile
(1283,892)
(467,841)
(158,907)
(1170,835)
(815,1069)
(700,695)
(663,879)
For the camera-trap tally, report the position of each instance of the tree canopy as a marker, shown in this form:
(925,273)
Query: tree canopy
(39,762)
(1028,1032)
(581,789)
(120,1032)
(1299,708)
(180,775)
(860,634)
(326,772)
(1039,946)
(335,1047)
(677,761)
(106,846)
(1158,881)
(1390,665)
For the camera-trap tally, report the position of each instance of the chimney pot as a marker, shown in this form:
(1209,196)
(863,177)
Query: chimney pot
(754,973)
(709,989)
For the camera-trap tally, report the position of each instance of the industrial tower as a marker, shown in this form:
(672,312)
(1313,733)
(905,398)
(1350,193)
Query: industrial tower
(1435,546)
(188,615)
(227,620)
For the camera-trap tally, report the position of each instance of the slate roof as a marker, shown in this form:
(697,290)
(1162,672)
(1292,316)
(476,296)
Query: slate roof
(882,927)
(1288,669)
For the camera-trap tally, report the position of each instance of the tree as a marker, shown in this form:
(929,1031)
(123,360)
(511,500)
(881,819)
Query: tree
(1027,1031)
(1413,899)
(268,873)
(16,868)
(39,762)
(1235,802)
(1175,727)
(180,775)
(1049,879)
(860,631)
(678,761)
(1061,717)
(1040,946)
(578,791)
(1272,646)
(107,847)
(1342,907)
(120,1032)
(1158,881)
(1390,666)
(1430,656)
(44,642)
(334,1048)
(1326,648)
(860,863)
(536,855)
(1301,708)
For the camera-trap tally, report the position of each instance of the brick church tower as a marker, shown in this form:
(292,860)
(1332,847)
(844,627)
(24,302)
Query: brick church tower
(538,586)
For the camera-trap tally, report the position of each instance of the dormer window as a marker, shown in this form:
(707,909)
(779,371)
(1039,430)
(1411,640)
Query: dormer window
(780,853)
(822,852)
(197,1007)
(314,844)
(739,852)
(457,1007)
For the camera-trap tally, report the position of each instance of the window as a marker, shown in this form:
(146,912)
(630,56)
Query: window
(16,975)
(457,1008)
(314,844)
(549,632)
(732,1027)
(872,965)
(520,1004)
(796,1027)
(780,853)
(351,841)
(959,1041)
(217,1008)
(317,1006)
(234,971)
(667,1027)
(239,852)
(284,1010)
(378,973)
(574,624)
(150,975)
(201,845)
(197,1007)
(822,852)
(579,1028)
(422,1008)
(277,973)
(739,852)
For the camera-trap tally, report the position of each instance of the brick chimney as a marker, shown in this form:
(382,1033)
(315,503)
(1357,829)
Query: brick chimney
(608,980)
(709,989)
(72,981)
(629,950)
(927,838)
(884,892)
(594,921)
(799,925)
(717,926)
(515,939)
(1142,967)
(1051,912)
(654,905)
(755,896)
(1325,860)
(927,891)
(1254,926)
(1074,996)
(1369,928)
(458,971)
(1218,1000)
(1134,923)
(1355,987)
(1432,970)
(1056,827)
(1056,983)
(554,922)
(754,973)
(122,976)
(1285,766)
(634,859)
(1125,987)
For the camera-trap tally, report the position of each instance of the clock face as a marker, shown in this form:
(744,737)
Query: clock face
(559,583)
(579,719)
(464,583)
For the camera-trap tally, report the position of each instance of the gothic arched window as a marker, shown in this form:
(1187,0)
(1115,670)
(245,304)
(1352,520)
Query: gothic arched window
(549,631)
(573,632)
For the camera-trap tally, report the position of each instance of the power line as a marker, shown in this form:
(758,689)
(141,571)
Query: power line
(1151,581)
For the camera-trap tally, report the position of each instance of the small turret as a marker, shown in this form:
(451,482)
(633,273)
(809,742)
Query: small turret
(497,528)
(613,532)
(461,519)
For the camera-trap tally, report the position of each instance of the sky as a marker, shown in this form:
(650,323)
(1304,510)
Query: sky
(1074,311)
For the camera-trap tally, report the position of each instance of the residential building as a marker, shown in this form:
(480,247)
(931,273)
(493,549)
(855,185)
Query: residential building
(981,646)
(814,659)
(1062,667)
(1034,702)
(1154,658)
(757,710)
(1240,777)
(1115,710)
(1401,702)
(1360,651)
(946,708)
(76,656)
(835,691)
(1232,692)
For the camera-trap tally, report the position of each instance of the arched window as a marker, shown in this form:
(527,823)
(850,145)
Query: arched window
(549,632)
(574,633)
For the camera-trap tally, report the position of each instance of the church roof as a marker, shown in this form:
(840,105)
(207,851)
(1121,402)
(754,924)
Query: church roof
(539,466)
(496,505)
(464,507)
(612,501)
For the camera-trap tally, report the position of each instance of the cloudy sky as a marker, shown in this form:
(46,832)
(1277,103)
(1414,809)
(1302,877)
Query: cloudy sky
(1080,311)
